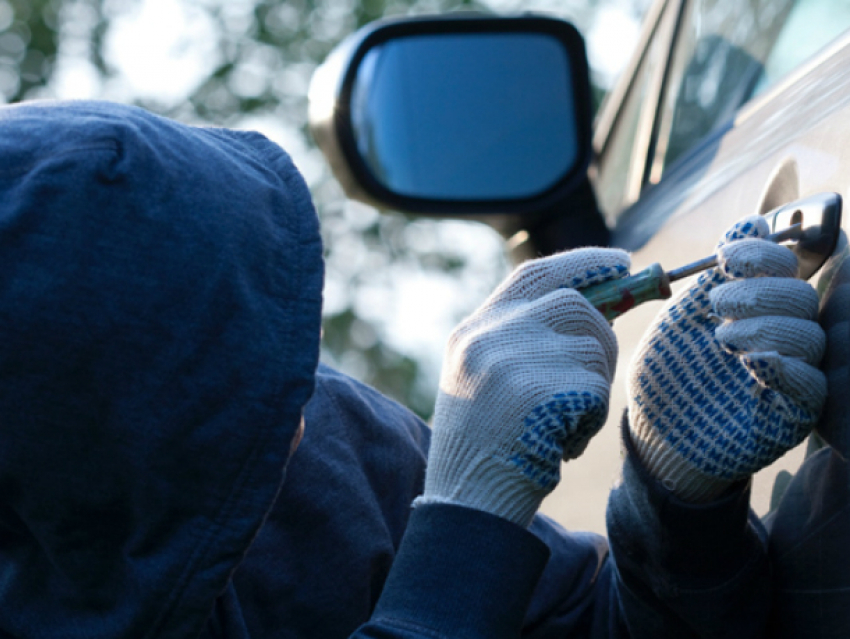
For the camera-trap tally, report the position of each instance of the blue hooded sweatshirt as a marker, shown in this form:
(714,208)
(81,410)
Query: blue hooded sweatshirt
(160,298)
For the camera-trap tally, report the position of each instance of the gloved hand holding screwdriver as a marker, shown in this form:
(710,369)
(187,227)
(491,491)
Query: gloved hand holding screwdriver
(726,380)
(525,384)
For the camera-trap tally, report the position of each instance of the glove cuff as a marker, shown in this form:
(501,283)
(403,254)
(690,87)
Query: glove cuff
(671,469)
(488,488)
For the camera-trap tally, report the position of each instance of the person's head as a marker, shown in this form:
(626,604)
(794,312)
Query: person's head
(160,296)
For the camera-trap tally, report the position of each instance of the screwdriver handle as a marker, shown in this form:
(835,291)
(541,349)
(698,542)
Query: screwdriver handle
(615,297)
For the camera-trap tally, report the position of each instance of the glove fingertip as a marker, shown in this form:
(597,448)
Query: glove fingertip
(751,226)
(801,382)
(571,269)
(765,296)
(597,266)
(751,257)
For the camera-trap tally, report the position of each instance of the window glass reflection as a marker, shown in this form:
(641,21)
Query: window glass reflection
(718,62)
(730,51)
(810,26)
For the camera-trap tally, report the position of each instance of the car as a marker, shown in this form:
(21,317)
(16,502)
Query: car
(727,108)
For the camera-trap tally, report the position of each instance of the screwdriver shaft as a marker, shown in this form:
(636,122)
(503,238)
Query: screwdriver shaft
(615,297)
(791,233)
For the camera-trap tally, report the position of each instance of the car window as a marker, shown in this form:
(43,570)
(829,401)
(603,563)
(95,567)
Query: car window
(619,171)
(809,27)
(726,52)
(717,63)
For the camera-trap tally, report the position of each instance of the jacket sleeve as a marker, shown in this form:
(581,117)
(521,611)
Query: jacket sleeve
(462,574)
(459,574)
(684,570)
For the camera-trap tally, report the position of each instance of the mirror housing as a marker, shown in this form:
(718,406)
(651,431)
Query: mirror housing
(465,116)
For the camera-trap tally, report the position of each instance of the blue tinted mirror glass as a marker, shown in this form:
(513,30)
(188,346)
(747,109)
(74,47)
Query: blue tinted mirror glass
(466,116)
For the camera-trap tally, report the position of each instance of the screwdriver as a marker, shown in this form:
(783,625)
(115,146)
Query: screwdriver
(615,297)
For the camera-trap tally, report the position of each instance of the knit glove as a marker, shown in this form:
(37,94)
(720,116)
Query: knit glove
(725,381)
(525,384)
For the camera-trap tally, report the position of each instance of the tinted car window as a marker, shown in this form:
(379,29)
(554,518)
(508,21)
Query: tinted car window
(808,28)
(717,64)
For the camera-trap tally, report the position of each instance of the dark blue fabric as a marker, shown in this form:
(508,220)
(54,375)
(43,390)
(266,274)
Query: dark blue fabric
(320,561)
(834,426)
(810,529)
(681,571)
(576,595)
(686,570)
(809,535)
(160,297)
(341,540)
(460,573)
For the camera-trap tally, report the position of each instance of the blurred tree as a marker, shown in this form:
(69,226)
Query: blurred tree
(258,56)
(28,46)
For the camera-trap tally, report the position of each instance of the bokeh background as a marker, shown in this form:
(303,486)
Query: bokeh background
(395,285)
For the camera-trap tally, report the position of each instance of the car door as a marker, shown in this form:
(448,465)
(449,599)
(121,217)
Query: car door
(730,108)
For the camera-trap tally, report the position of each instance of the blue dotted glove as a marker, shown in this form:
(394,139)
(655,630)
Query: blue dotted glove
(525,384)
(726,380)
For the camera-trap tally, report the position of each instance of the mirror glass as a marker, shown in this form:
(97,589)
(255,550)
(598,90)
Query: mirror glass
(471,116)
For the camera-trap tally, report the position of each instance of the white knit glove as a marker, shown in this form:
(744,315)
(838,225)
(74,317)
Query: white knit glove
(725,381)
(525,383)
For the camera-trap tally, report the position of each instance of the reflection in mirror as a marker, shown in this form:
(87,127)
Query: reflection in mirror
(466,117)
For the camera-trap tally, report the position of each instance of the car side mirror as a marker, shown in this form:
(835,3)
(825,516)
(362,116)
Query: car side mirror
(461,115)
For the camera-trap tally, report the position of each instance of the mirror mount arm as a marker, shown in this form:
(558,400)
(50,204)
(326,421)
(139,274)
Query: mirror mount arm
(572,222)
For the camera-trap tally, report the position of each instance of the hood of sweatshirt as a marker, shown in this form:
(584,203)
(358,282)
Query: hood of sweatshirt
(160,294)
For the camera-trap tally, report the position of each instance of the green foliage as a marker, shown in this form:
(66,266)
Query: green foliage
(28,45)
(362,352)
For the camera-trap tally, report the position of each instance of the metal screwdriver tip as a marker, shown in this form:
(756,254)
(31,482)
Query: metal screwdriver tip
(793,232)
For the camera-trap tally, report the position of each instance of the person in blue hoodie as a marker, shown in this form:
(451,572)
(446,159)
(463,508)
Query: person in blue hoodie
(161,301)
(162,307)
